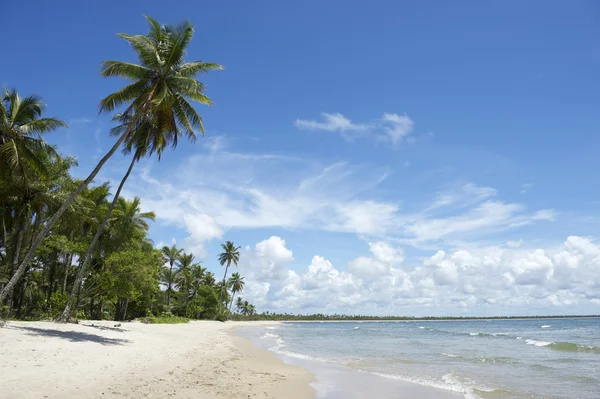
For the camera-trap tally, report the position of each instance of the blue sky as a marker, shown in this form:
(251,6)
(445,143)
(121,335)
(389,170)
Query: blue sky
(350,142)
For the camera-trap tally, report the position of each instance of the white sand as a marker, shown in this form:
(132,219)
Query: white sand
(195,360)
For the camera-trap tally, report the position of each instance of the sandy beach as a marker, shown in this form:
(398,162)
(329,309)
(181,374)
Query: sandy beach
(202,359)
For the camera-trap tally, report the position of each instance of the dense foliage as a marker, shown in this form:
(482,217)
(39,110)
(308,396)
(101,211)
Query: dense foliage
(71,248)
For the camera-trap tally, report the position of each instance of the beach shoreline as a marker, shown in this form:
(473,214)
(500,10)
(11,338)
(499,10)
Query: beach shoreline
(95,359)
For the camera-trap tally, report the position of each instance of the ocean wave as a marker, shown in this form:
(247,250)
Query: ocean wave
(278,339)
(449,382)
(564,346)
(545,326)
(537,343)
(572,347)
(480,334)
(306,357)
(483,359)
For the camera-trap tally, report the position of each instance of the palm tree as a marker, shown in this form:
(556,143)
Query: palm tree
(130,221)
(209,279)
(21,129)
(239,304)
(184,278)
(171,254)
(247,309)
(236,284)
(229,255)
(197,272)
(156,102)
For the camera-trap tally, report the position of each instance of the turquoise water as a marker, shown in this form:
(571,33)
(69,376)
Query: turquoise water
(541,358)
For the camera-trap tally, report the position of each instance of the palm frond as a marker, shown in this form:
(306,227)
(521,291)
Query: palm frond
(125,69)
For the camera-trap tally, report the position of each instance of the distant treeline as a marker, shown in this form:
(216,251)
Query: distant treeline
(342,317)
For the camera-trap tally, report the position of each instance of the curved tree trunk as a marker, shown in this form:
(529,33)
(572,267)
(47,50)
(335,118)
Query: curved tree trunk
(52,221)
(68,262)
(232,298)
(66,314)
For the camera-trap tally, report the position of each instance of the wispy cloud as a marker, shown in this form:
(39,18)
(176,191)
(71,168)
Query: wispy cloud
(80,120)
(391,128)
(209,193)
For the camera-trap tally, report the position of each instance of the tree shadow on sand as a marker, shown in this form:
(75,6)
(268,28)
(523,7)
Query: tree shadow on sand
(75,336)
(104,328)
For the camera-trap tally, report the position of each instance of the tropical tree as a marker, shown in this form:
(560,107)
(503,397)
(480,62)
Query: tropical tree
(130,223)
(157,111)
(197,273)
(209,279)
(171,254)
(229,255)
(21,128)
(239,304)
(236,284)
(184,278)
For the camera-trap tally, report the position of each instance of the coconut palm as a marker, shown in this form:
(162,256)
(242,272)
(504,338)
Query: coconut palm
(197,272)
(184,278)
(209,279)
(129,222)
(157,111)
(239,304)
(247,309)
(21,128)
(236,284)
(171,254)
(229,255)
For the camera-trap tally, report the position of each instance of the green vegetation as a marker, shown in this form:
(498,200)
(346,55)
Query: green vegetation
(73,248)
(165,320)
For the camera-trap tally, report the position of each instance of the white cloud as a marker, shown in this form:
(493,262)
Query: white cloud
(396,128)
(209,193)
(494,280)
(390,127)
(332,123)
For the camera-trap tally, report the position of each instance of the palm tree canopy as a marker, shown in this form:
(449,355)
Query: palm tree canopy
(171,253)
(21,128)
(161,84)
(236,283)
(230,254)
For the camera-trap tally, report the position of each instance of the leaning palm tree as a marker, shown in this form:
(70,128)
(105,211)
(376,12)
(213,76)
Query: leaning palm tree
(236,284)
(21,128)
(229,255)
(156,102)
(171,254)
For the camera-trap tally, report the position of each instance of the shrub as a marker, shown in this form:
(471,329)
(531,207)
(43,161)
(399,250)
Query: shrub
(222,317)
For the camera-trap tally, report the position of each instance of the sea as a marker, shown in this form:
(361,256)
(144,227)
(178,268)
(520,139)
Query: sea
(473,359)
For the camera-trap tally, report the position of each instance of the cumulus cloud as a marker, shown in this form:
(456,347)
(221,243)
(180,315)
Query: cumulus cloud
(486,281)
(390,127)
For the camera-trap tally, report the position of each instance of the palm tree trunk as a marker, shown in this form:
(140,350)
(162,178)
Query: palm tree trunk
(68,262)
(222,288)
(52,221)
(169,287)
(88,254)
(232,298)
